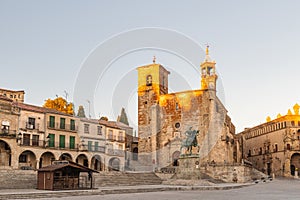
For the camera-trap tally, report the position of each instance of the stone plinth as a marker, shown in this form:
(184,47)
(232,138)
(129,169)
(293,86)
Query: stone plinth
(189,167)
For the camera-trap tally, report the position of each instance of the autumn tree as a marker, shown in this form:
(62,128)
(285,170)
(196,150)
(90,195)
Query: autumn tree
(81,112)
(123,117)
(59,104)
(104,118)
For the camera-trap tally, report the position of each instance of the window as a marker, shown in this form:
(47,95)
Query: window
(51,141)
(275,147)
(31,123)
(288,146)
(176,106)
(72,142)
(149,80)
(249,153)
(177,125)
(86,128)
(72,125)
(26,139)
(260,151)
(110,134)
(120,147)
(62,140)
(96,146)
(90,145)
(99,130)
(23,158)
(120,137)
(292,123)
(62,123)
(51,121)
(35,140)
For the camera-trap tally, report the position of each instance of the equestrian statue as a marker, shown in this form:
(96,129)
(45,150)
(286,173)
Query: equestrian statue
(190,141)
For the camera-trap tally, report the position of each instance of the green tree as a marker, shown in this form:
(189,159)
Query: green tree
(80,112)
(123,117)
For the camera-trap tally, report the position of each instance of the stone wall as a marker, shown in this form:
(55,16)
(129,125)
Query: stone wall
(233,173)
(18,179)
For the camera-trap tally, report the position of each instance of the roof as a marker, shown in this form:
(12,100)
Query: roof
(39,109)
(2,89)
(63,164)
(122,125)
(95,121)
(111,124)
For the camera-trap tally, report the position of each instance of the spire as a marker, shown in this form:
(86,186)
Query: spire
(207,51)
(207,57)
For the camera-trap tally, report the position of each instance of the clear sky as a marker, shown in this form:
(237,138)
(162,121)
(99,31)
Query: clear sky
(45,44)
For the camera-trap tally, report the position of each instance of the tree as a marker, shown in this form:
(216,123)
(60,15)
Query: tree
(123,117)
(104,118)
(80,112)
(59,104)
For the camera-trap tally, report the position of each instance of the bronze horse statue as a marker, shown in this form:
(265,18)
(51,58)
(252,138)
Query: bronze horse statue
(190,141)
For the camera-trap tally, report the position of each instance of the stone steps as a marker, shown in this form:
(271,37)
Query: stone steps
(123,179)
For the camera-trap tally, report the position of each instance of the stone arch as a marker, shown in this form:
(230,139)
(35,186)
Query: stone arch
(96,163)
(46,159)
(66,156)
(27,160)
(135,152)
(82,159)
(114,164)
(5,154)
(175,157)
(295,163)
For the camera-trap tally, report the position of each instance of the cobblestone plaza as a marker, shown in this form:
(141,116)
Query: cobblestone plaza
(277,189)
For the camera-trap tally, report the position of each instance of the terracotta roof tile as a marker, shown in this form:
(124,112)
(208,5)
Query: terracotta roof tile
(39,109)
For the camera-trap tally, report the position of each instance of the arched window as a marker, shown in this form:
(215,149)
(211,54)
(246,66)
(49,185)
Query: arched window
(149,80)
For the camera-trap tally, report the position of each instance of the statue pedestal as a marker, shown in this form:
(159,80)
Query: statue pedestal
(189,167)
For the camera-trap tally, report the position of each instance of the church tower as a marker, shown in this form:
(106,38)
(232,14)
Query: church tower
(208,72)
(152,82)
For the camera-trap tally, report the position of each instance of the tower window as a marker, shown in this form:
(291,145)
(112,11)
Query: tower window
(149,80)
(176,106)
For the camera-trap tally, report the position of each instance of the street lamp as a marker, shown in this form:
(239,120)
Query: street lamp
(19,138)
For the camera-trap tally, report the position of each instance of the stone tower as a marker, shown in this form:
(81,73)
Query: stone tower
(152,82)
(208,72)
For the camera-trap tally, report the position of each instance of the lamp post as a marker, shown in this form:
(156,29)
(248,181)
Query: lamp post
(19,138)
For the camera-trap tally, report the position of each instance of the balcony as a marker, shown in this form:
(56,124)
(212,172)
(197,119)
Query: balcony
(31,126)
(121,139)
(30,142)
(93,148)
(45,144)
(7,133)
(62,127)
(116,152)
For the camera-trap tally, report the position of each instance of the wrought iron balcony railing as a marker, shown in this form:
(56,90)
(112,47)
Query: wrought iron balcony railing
(59,126)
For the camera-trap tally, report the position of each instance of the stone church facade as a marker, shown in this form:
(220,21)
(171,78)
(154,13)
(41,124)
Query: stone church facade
(164,119)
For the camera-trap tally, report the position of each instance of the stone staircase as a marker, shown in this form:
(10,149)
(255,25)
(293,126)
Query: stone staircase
(126,179)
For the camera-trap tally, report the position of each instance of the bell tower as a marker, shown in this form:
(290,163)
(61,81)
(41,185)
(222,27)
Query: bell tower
(208,72)
(152,82)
